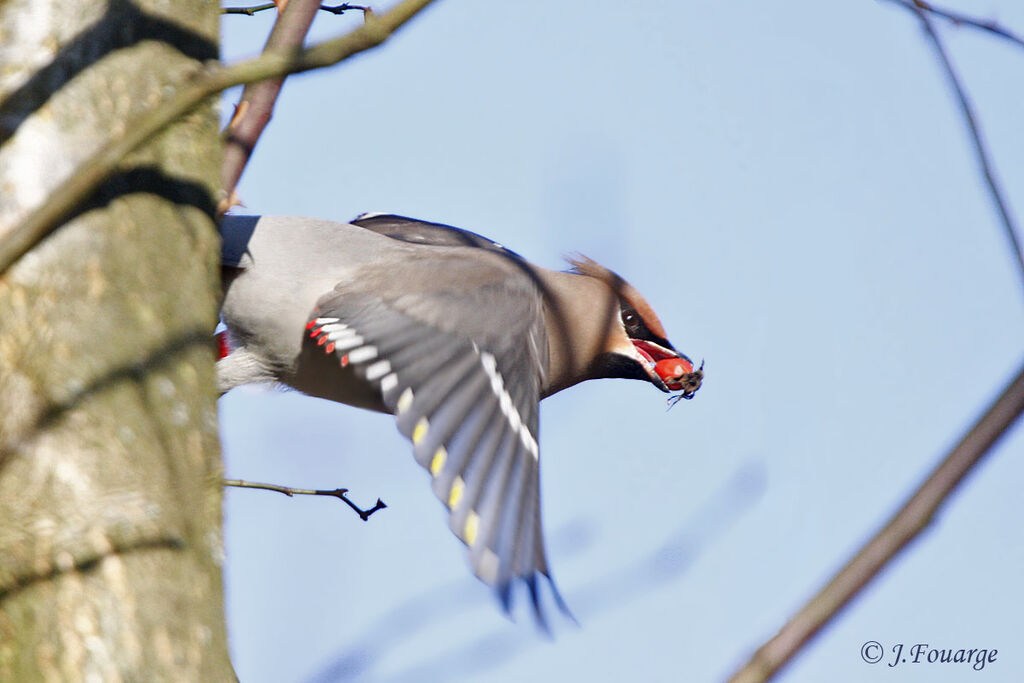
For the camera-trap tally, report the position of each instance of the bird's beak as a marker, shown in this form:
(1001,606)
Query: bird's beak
(668,369)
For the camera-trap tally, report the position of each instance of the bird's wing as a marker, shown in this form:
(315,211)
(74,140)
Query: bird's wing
(459,362)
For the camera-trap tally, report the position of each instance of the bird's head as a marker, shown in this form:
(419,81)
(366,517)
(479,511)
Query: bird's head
(601,326)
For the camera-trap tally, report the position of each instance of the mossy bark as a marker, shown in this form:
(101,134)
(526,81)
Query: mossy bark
(110,473)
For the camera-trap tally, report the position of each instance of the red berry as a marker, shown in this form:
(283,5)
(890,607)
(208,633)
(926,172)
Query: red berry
(672,368)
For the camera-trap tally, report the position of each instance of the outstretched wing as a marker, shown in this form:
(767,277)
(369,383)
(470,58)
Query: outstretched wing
(467,398)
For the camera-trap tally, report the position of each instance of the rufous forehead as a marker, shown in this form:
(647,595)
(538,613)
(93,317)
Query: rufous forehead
(585,266)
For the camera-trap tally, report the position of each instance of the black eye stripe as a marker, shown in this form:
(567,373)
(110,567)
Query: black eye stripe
(637,328)
(632,321)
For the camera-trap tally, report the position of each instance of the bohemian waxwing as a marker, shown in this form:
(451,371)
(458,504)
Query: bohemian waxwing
(452,333)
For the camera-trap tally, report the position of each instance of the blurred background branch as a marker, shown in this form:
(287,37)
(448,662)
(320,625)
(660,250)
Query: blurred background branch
(913,518)
(989,25)
(919,510)
(999,201)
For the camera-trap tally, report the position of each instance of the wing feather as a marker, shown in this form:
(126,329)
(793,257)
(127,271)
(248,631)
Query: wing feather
(465,442)
(468,402)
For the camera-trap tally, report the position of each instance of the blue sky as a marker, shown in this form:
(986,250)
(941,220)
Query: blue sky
(792,188)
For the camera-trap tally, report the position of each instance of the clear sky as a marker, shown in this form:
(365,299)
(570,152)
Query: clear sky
(791,186)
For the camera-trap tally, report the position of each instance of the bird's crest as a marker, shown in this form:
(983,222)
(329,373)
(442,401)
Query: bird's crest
(585,266)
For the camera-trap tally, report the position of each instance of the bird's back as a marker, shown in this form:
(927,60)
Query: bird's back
(276,269)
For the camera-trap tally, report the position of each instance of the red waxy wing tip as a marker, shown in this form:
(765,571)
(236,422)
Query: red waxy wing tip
(223,349)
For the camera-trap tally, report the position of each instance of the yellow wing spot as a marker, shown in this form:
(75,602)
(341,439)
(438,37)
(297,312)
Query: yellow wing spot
(472,527)
(404,401)
(420,430)
(455,495)
(440,455)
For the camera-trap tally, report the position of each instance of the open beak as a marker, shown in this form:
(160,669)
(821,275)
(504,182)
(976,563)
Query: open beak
(667,369)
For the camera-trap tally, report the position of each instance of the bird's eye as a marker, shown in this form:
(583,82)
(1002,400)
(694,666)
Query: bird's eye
(631,321)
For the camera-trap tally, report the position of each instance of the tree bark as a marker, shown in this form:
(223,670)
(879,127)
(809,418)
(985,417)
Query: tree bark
(110,474)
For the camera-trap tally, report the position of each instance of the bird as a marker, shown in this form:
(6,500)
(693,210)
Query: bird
(455,335)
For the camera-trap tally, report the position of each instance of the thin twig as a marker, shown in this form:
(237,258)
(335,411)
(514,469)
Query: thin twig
(247,10)
(913,518)
(988,25)
(256,105)
(984,160)
(336,9)
(289,491)
(345,7)
(207,81)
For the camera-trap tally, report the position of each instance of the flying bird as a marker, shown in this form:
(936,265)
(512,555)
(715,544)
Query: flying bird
(456,336)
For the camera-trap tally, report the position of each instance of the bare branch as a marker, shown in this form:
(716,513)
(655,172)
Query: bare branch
(247,10)
(208,81)
(336,9)
(959,19)
(289,491)
(345,7)
(903,527)
(256,105)
(984,160)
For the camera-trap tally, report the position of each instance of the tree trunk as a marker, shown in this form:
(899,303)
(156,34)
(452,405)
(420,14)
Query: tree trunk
(110,475)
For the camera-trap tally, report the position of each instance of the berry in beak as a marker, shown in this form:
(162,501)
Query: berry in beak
(668,369)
